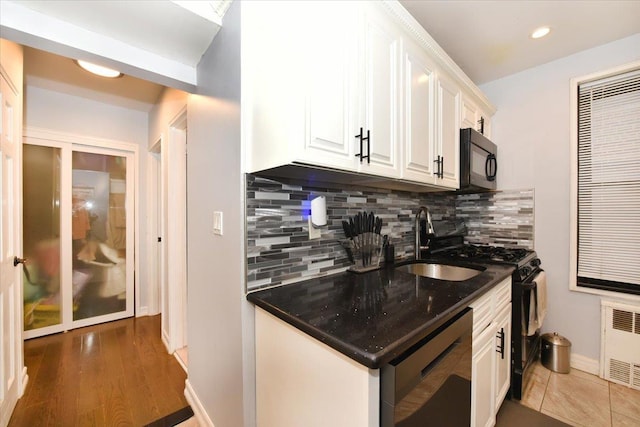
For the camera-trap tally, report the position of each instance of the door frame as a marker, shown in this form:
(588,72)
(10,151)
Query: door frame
(155,252)
(38,136)
(174,228)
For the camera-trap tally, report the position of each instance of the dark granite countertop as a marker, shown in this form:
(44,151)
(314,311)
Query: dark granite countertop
(374,317)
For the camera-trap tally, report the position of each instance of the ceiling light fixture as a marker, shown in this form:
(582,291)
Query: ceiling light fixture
(540,32)
(99,70)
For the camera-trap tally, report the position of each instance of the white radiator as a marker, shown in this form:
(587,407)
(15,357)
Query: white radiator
(620,343)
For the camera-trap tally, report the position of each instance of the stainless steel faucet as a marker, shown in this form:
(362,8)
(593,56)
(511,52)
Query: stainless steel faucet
(429,230)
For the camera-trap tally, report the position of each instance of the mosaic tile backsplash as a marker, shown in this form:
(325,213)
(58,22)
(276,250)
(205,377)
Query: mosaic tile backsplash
(279,251)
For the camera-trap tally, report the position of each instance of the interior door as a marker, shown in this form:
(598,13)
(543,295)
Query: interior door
(10,248)
(78,235)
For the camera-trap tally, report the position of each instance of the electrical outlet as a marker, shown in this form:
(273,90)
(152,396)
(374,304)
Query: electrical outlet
(314,233)
(217,223)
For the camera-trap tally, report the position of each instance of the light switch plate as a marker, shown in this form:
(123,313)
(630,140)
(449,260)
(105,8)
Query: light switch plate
(217,223)
(314,233)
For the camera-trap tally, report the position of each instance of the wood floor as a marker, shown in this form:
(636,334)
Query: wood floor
(117,373)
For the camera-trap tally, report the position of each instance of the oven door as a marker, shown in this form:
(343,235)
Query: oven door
(431,382)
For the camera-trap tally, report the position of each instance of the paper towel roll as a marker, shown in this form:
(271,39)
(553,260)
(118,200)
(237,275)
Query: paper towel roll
(319,211)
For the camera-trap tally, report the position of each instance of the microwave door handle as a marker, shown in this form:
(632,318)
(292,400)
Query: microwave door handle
(495,167)
(491,167)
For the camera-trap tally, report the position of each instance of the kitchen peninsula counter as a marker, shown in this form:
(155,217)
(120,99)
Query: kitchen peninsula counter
(374,317)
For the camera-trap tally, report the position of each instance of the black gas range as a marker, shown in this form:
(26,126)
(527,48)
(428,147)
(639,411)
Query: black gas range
(524,348)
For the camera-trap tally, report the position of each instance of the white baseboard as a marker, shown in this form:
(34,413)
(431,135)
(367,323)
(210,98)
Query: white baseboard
(585,364)
(142,311)
(24,380)
(181,362)
(196,406)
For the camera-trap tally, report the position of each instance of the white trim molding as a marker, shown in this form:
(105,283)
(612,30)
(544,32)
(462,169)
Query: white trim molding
(35,133)
(197,407)
(586,364)
(573,195)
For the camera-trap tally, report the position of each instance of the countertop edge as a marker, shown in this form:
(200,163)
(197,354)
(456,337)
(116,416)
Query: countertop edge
(391,351)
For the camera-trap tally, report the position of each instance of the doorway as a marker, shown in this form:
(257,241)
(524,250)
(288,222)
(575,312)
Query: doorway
(173,223)
(78,216)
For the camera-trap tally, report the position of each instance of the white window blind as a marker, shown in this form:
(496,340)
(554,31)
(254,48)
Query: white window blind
(609,183)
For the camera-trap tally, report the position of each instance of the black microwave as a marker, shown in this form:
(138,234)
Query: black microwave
(478,161)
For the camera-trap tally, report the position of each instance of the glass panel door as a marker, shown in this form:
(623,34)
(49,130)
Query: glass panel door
(99,234)
(41,237)
(78,236)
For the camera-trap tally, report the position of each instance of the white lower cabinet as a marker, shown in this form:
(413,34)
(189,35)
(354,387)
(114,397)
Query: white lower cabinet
(503,358)
(482,380)
(303,382)
(491,360)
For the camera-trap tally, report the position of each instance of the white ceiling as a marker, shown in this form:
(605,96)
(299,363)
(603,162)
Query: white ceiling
(60,74)
(487,39)
(160,26)
(490,39)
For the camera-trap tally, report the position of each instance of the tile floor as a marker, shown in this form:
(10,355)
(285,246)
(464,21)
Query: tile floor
(581,399)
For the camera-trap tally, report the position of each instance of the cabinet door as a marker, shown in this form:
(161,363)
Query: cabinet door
(331,62)
(448,139)
(469,114)
(419,103)
(482,380)
(379,102)
(503,358)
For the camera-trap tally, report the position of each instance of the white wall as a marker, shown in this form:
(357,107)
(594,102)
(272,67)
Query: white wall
(167,107)
(215,264)
(531,128)
(60,112)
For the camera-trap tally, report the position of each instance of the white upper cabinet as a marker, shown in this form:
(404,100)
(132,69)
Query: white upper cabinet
(380,95)
(448,131)
(419,161)
(315,73)
(473,117)
(331,114)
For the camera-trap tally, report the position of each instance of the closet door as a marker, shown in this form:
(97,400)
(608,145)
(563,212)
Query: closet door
(78,233)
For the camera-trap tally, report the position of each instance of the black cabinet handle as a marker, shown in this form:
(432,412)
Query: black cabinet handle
(500,348)
(481,124)
(17,261)
(440,167)
(491,167)
(362,139)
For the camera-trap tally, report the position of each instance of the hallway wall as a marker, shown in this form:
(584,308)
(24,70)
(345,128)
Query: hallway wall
(220,331)
(56,111)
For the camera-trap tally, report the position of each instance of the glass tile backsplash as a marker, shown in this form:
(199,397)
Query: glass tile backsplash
(279,251)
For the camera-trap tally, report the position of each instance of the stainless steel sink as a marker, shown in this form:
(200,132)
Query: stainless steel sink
(440,271)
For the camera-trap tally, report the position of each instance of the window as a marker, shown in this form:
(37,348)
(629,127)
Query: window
(606,183)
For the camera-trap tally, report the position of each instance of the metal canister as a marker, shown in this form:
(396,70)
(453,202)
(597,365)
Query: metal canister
(555,353)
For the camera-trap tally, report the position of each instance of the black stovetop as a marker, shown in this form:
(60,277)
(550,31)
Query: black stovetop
(515,256)
(453,247)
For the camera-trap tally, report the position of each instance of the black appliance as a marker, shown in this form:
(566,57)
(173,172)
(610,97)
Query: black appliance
(524,348)
(478,161)
(430,384)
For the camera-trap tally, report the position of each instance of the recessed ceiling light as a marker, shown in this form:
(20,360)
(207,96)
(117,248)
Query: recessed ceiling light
(99,69)
(540,32)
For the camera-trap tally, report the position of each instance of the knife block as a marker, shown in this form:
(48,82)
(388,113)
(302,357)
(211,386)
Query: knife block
(366,252)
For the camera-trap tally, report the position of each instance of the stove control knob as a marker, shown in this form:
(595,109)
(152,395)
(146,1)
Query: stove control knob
(524,271)
(536,262)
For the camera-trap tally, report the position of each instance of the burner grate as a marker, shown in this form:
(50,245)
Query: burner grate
(487,253)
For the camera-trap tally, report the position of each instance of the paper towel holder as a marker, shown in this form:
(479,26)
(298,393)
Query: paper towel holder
(319,212)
